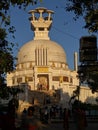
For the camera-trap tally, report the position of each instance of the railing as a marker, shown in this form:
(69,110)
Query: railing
(91,119)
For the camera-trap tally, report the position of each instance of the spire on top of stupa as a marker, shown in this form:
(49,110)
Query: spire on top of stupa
(41,22)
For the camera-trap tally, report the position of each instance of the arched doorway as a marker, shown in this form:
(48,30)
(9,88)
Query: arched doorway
(43,82)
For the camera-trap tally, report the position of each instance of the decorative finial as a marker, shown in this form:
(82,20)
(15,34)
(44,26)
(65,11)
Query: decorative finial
(41,23)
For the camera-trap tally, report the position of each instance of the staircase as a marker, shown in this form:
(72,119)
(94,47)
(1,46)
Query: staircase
(43,97)
(39,98)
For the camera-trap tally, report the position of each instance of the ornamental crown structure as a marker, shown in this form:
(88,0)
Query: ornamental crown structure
(41,21)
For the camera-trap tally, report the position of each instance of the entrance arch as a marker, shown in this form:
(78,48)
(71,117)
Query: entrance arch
(43,83)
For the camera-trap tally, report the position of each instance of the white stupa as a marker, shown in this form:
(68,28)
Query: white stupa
(42,63)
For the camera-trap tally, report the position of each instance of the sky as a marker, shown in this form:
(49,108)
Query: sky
(65,31)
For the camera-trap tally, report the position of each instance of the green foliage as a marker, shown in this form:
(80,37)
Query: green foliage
(15,90)
(89,73)
(86,8)
(77,91)
(4,92)
(6,47)
(6,58)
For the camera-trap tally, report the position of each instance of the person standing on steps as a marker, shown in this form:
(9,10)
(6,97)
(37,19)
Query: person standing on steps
(30,122)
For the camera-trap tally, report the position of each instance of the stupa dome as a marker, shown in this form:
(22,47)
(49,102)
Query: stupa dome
(55,52)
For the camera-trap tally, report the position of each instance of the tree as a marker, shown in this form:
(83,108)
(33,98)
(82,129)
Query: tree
(88,58)
(6,47)
(76,94)
(89,72)
(6,58)
(86,8)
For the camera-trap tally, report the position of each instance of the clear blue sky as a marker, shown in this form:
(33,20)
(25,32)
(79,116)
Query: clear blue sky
(64,31)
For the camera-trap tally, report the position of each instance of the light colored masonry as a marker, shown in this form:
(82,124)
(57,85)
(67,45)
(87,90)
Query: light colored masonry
(42,63)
